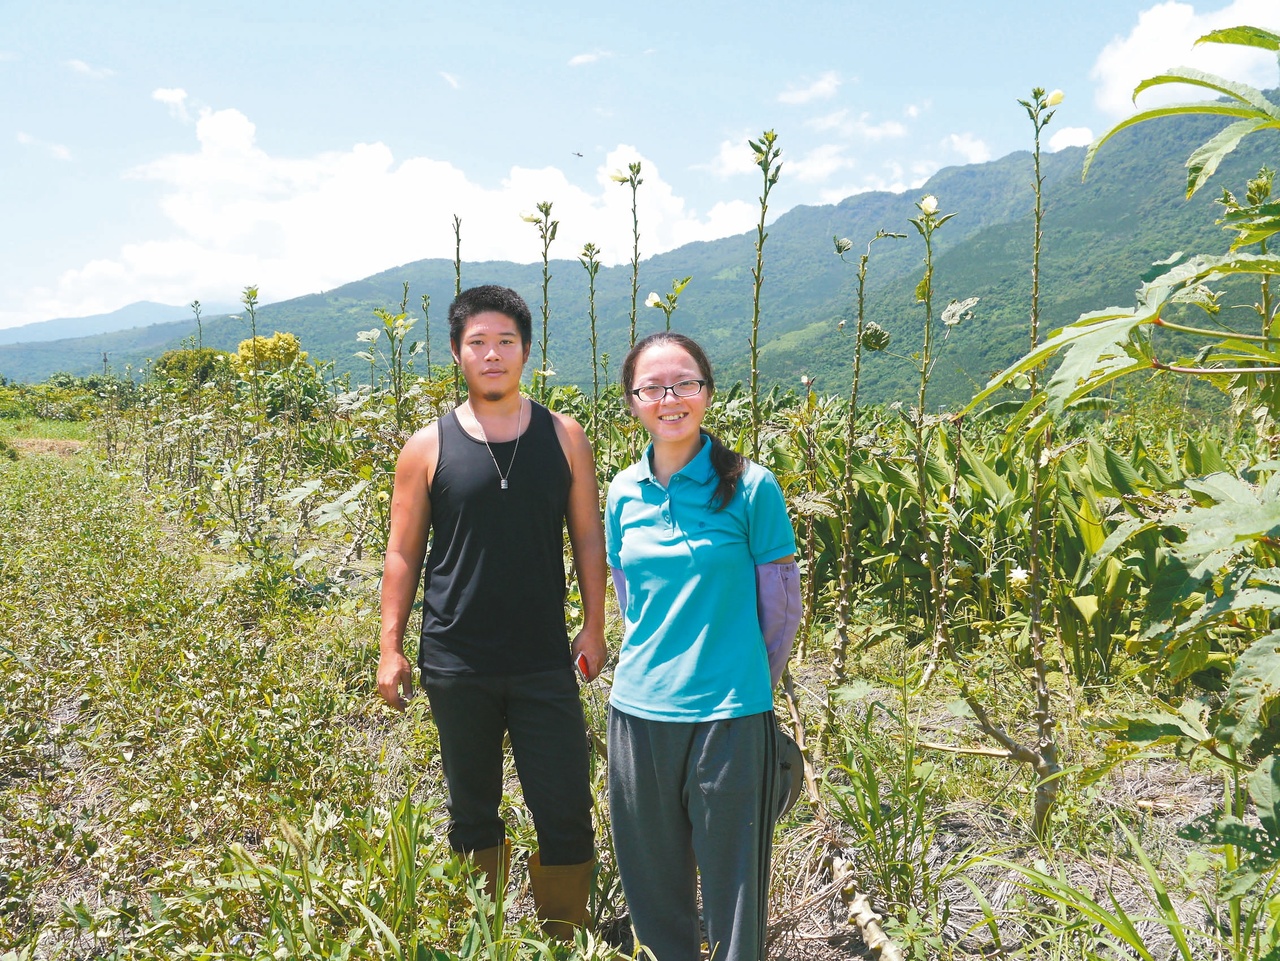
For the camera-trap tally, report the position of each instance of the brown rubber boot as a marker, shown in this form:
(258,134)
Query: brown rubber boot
(495,862)
(560,894)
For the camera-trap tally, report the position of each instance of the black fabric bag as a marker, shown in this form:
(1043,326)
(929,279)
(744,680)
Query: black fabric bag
(790,780)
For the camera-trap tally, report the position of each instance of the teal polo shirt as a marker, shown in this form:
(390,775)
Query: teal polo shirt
(693,650)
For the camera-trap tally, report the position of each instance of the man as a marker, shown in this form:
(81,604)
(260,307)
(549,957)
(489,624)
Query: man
(497,481)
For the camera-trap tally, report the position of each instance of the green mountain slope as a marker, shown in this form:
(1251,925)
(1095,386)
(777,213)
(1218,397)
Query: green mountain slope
(1100,237)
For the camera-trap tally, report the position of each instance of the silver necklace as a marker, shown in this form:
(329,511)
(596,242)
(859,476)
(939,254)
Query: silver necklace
(502,478)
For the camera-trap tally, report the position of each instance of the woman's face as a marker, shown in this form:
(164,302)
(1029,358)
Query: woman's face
(672,419)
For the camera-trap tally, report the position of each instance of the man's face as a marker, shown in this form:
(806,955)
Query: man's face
(491,355)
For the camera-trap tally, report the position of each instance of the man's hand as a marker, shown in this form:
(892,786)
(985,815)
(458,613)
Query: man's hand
(395,675)
(591,643)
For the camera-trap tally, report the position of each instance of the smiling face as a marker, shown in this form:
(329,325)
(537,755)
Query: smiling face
(491,355)
(673,420)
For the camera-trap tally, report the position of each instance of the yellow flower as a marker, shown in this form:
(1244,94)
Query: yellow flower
(531,218)
(1053,99)
(619,177)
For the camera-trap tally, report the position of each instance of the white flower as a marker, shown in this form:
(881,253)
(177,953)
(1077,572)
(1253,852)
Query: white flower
(1019,577)
(1053,99)
(805,380)
(531,218)
(959,310)
(619,177)
(929,205)
(653,300)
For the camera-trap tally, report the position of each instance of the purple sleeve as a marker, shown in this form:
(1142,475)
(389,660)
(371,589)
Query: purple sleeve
(778,607)
(619,588)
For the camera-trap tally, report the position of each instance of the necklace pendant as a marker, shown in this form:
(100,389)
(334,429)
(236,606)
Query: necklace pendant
(504,483)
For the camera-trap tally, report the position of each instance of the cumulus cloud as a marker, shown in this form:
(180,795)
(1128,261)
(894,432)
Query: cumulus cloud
(971,148)
(451,80)
(93,73)
(55,150)
(1165,37)
(1070,137)
(175,98)
(292,225)
(824,88)
(733,159)
(582,59)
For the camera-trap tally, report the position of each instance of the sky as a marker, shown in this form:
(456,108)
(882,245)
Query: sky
(169,150)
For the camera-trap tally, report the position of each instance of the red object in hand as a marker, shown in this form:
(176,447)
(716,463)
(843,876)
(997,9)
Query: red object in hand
(583,667)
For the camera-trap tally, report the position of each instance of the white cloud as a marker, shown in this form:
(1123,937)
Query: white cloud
(912,111)
(451,80)
(583,59)
(1070,137)
(239,215)
(1165,37)
(824,88)
(841,123)
(971,148)
(55,150)
(819,164)
(175,98)
(733,159)
(93,73)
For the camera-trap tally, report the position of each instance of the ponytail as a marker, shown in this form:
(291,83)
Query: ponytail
(729,466)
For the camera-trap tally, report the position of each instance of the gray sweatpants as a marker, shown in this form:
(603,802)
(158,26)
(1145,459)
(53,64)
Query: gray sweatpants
(690,798)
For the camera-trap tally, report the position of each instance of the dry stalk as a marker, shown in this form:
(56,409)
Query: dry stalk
(861,914)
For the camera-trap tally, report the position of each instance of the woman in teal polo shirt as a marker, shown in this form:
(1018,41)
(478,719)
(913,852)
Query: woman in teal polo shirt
(703,558)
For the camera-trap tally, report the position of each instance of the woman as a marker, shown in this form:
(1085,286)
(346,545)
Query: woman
(694,532)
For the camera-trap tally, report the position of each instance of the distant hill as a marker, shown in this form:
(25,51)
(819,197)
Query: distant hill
(1100,237)
(142,314)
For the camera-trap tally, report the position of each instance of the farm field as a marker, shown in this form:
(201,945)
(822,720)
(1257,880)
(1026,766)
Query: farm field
(1036,680)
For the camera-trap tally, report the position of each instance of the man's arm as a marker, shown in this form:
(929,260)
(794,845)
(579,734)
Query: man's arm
(406,547)
(586,539)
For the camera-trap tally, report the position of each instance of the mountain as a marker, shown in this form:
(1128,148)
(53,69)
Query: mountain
(1101,236)
(142,314)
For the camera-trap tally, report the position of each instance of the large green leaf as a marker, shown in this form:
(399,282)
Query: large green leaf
(1204,160)
(1264,788)
(1241,92)
(1244,37)
(1103,353)
(1251,696)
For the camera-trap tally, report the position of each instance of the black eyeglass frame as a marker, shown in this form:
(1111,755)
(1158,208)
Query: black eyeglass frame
(637,392)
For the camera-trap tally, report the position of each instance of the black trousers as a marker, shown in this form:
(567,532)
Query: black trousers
(543,715)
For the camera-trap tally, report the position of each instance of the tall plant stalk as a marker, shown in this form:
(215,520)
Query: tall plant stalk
(426,331)
(633,179)
(250,300)
(1040,113)
(195,309)
(591,264)
(547,233)
(767,153)
(457,289)
(873,338)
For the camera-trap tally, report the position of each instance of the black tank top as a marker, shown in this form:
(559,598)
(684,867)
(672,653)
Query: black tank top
(494,583)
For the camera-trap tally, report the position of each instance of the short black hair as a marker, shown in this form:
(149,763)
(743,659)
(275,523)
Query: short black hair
(489,297)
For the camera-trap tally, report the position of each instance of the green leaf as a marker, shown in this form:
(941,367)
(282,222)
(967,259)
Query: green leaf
(1106,352)
(1197,78)
(1204,160)
(1244,37)
(1251,695)
(1264,788)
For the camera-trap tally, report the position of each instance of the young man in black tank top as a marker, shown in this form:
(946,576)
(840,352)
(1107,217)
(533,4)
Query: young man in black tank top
(497,481)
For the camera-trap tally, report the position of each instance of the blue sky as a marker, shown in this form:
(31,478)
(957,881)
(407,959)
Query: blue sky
(168,150)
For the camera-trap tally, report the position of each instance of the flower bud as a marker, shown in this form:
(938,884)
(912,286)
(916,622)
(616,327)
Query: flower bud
(1053,99)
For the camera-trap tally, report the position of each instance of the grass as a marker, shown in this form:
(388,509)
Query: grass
(39,428)
(191,755)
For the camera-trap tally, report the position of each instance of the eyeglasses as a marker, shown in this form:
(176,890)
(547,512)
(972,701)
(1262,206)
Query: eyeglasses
(652,393)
